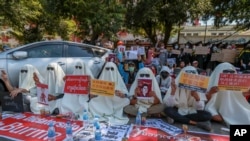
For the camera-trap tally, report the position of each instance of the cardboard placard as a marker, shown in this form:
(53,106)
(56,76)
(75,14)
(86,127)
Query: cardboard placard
(102,87)
(201,50)
(42,94)
(77,84)
(194,82)
(30,127)
(229,55)
(9,104)
(188,50)
(216,57)
(174,51)
(235,82)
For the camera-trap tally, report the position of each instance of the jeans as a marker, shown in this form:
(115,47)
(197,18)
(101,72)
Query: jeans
(200,116)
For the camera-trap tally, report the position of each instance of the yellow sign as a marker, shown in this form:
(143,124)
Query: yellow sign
(102,87)
(194,82)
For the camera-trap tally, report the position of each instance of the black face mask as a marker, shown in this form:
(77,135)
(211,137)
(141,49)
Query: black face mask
(164,75)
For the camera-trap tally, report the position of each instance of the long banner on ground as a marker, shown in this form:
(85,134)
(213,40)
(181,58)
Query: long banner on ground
(30,127)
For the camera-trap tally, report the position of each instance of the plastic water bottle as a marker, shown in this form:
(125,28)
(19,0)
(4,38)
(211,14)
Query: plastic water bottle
(85,119)
(96,121)
(98,133)
(138,119)
(69,133)
(51,132)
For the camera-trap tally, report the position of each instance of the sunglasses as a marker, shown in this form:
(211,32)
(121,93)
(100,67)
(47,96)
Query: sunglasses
(78,67)
(24,71)
(109,68)
(228,71)
(50,68)
(144,75)
(190,71)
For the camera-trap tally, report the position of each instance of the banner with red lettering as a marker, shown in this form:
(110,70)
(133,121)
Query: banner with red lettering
(30,127)
(235,82)
(77,84)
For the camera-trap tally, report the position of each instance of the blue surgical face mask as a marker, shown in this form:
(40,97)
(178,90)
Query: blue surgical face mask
(131,69)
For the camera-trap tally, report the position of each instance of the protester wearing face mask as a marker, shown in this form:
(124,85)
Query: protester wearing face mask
(129,75)
(164,80)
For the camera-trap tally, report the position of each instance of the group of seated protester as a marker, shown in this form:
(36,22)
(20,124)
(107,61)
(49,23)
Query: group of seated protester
(137,89)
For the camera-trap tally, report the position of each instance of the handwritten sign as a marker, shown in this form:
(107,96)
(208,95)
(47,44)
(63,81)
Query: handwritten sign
(188,50)
(194,82)
(216,57)
(77,84)
(201,50)
(235,82)
(141,50)
(9,104)
(102,87)
(42,94)
(175,51)
(229,55)
(30,127)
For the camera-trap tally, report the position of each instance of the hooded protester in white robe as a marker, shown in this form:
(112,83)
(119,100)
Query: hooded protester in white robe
(55,82)
(232,106)
(73,102)
(141,105)
(26,82)
(182,99)
(110,108)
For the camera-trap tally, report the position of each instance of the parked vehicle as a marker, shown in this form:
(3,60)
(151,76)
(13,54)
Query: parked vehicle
(40,54)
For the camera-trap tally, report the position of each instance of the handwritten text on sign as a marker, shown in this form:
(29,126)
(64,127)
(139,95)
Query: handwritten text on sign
(31,127)
(237,82)
(77,84)
(101,87)
(194,82)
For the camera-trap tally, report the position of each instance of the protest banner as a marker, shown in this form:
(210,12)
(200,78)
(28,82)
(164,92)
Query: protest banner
(77,84)
(42,94)
(235,82)
(194,82)
(188,50)
(102,87)
(11,104)
(30,127)
(131,55)
(141,50)
(201,50)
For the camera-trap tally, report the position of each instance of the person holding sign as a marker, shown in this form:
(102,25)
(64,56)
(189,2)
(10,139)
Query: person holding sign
(227,105)
(76,103)
(26,84)
(111,107)
(186,106)
(54,80)
(149,104)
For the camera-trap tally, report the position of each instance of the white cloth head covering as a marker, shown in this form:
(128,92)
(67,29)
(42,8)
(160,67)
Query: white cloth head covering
(184,101)
(73,102)
(113,76)
(155,85)
(166,69)
(54,79)
(26,80)
(229,104)
(111,108)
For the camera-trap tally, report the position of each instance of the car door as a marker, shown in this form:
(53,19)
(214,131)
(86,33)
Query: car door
(38,55)
(82,52)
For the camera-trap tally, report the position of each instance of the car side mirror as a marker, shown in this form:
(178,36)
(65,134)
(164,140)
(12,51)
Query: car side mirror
(20,54)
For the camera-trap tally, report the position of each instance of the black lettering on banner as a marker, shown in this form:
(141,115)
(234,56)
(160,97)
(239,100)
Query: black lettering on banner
(239,132)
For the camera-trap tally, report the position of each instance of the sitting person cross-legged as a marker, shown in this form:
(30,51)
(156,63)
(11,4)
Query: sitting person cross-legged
(186,106)
(152,105)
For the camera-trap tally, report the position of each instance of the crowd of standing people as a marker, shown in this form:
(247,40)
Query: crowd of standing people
(163,98)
